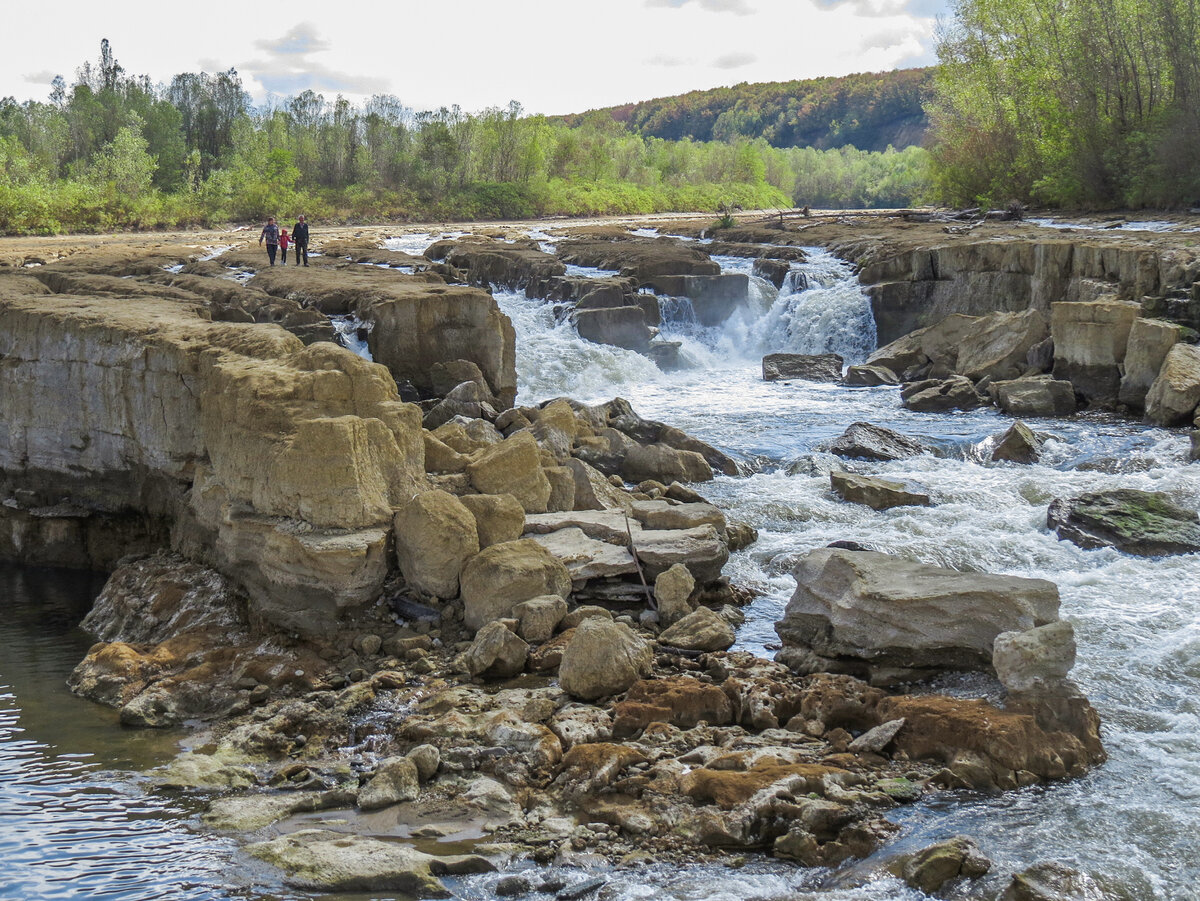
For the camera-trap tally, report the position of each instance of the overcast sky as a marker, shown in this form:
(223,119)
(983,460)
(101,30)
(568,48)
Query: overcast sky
(552,56)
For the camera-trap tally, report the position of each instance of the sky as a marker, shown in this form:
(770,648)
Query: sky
(551,56)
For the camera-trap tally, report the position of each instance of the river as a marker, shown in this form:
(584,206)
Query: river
(76,819)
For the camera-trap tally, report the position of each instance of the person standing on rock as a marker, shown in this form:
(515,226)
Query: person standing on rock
(270,234)
(300,239)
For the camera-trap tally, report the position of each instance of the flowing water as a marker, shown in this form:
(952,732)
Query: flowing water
(76,821)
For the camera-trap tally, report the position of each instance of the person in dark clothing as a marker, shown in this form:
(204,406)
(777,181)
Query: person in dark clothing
(270,234)
(300,239)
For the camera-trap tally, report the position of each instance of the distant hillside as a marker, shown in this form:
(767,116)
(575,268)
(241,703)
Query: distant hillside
(869,111)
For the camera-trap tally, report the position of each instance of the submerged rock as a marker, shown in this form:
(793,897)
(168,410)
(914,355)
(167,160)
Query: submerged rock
(931,868)
(1055,882)
(1145,523)
(810,367)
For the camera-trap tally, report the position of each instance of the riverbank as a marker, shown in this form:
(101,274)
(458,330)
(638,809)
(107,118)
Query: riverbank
(695,682)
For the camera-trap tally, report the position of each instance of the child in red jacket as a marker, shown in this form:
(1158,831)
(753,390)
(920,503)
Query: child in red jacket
(284,240)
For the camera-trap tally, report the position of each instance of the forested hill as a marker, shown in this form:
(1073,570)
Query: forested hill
(868,111)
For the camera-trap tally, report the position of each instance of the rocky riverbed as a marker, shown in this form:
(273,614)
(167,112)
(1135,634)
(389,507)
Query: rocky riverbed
(397,585)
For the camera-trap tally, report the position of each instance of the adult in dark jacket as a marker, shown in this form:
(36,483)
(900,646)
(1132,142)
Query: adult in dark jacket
(270,234)
(300,239)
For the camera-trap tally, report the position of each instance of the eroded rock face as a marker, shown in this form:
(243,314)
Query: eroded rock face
(861,609)
(1150,340)
(1090,340)
(1172,398)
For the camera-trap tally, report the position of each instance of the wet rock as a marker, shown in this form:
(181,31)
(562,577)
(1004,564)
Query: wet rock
(998,345)
(220,771)
(619,326)
(336,862)
(700,630)
(504,575)
(513,886)
(714,298)
(1055,882)
(496,653)
(740,535)
(539,617)
(931,868)
(663,463)
(869,376)
(1150,340)
(435,536)
(1145,523)
(874,442)
(498,517)
(871,610)
(774,271)
(1040,395)
(942,395)
(878,494)
(1018,444)
(513,467)
(249,813)
(1090,339)
(396,779)
(1036,660)
(1173,397)
(672,589)
(604,658)
(810,367)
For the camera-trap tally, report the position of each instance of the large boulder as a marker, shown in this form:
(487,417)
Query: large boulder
(620,326)
(1018,444)
(878,494)
(395,780)
(1039,395)
(1150,340)
(1173,397)
(498,517)
(700,630)
(435,536)
(873,442)
(1036,660)
(672,590)
(869,376)
(593,491)
(1090,339)
(811,367)
(872,609)
(1145,523)
(663,463)
(504,575)
(998,345)
(700,549)
(514,467)
(941,395)
(604,658)
(934,345)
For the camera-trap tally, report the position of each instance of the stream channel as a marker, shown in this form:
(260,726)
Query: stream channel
(77,818)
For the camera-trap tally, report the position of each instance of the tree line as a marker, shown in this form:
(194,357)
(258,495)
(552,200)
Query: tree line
(111,150)
(1069,104)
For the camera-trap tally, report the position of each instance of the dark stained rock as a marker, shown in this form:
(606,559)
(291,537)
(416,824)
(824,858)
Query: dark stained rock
(620,326)
(873,442)
(1144,523)
(639,258)
(941,395)
(713,297)
(1039,395)
(812,367)
(774,271)
(869,376)
(1017,445)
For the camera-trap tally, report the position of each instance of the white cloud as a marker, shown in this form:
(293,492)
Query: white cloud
(44,77)
(734,60)
(737,7)
(290,68)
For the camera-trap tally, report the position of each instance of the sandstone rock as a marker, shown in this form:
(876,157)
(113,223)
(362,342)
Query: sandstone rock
(1035,396)
(469,400)
(504,575)
(1173,397)
(220,771)
(593,491)
(874,442)
(663,463)
(936,344)
(811,367)
(440,457)
(513,467)
(537,618)
(604,658)
(435,536)
(871,608)
(869,376)
(586,558)
(1089,345)
(1018,444)
(496,653)
(774,271)
(682,701)
(1150,340)
(700,549)
(740,535)
(873,741)
(249,813)
(1036,660)
(562,488)
(1145,523)
(931,868)
(700,630)
(619,326)
(661,514)
(447,375)
(336,862)
(1055,882)
(941,395)
(878,494)
(498,517)
(584,611)
(427,759)
(395,780)
(672,588)
(998,345)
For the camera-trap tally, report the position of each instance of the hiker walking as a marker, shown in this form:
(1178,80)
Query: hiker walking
(270,234)
(283,246)
(300,239)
